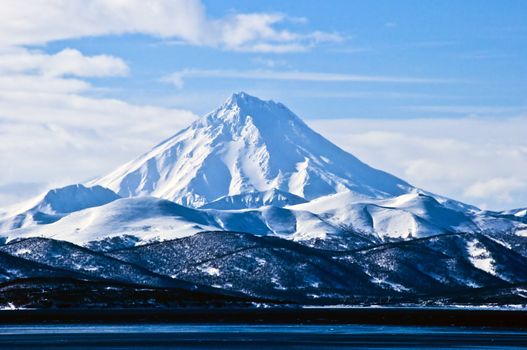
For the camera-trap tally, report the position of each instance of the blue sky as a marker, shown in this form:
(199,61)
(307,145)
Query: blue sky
(469,54)
(432,91)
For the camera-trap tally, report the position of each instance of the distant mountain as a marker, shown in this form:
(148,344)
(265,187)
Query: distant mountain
(334,221)
(248,145)
(407,216)
(146,217)
(518,214)
(55,204)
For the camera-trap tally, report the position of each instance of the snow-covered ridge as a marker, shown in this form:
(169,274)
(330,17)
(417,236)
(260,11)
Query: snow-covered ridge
(273,197)
(520,213)
(339,219)
(55,204)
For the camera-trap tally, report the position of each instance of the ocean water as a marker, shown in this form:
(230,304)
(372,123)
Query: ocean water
(166,336)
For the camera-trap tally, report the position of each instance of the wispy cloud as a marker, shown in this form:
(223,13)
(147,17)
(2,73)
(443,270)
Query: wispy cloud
(351,50)
(469,110)
(178,78)
(354,94)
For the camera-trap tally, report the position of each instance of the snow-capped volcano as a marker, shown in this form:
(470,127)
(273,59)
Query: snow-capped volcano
(248,146)
(250,166)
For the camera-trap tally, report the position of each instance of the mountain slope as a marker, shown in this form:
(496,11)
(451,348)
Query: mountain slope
(39,271)
(46,273)
(259,266)
(69,257)
(56,204)
(248,200)
(139,220)
(248,145)
(337,221)
(146,217)
(271,267)
(405,216)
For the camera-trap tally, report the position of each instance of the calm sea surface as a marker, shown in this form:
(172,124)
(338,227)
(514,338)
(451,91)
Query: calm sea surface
(164,336)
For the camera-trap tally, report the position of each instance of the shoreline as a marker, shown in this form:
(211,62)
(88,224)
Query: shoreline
(403,316)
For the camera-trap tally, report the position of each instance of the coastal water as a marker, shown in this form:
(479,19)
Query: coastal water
(214,336)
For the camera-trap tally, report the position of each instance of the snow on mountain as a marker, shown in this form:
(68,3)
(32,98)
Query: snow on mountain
(335,220)
(269,267)
(406,216)
(248,145)
(69,257)
(55,204)
(520,212)
(146,217)
(291,224)
(273,197)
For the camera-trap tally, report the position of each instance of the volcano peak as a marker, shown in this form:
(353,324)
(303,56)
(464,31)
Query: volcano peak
(248,145)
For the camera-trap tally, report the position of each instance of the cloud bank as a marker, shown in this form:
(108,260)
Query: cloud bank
(62,138)
(481,161)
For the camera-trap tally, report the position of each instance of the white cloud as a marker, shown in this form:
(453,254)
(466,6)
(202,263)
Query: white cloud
(65,62)
(178,78)
(482,161)
(274,47)
(33,22)
(321,37)
(17,85)
(244,28)
(501,188)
